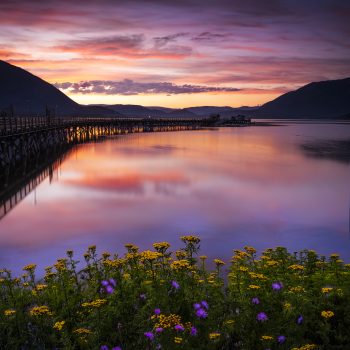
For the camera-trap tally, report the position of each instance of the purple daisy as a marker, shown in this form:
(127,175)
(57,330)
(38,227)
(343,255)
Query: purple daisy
(117,348)
(175,285)
(300,319)
(262,317)
(159,330)
(193,331)
(179,328)
(112,282)
(281,339)
(157,311)
(104,347)
(255,301)
(277,286)
(205,304)
(149,335)
(201,313)
(197,306)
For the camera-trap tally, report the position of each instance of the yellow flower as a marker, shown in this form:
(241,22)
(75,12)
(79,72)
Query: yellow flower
(82,331)
(287,306)
(38,311)
(180,265)
(59,325)
(296,267)
(95,303)
(250,250)
(105,255)
(297,289)
(178,340)
(218,262)
(306,347)
(149,255)
(243,268)
(9,313)
(253,286)
(167,321)
(327,290)
(259,276)
(229,322)
(161,246)
(30,267)
(327,314)
(214,335)
(203,257)
(266,337)
(40,287)
(190,239)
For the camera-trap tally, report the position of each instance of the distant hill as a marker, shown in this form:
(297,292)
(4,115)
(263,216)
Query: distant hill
(324,99)
(28,94)
(135,110)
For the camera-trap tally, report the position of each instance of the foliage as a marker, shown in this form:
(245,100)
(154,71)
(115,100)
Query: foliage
(163,300)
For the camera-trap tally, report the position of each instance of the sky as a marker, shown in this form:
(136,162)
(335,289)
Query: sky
(177,53)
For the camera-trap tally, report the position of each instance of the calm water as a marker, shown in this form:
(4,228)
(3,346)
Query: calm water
(232,187)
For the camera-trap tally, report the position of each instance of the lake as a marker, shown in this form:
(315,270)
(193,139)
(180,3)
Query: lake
(264,186)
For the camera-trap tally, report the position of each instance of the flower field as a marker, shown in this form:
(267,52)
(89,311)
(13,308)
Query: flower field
(162,300)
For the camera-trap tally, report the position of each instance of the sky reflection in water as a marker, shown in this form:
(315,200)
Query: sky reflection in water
(231,186)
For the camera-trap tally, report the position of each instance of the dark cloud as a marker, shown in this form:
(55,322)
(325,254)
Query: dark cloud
(208,36)
(164,40)
(130,87)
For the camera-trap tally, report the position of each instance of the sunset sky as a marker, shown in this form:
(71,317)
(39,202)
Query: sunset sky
(177,53)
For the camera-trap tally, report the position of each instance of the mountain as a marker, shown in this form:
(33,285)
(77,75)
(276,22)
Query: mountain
(324,99)
(181,113)
(135,110)
(28,94)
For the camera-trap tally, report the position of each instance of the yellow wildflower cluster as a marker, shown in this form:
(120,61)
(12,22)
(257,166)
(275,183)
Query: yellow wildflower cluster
(180,254)
(116,263)
(214,335)
(82,331)
(287,306)
(272,263)
(59,325)
(203,257)
(243,269)
(61,265)
(95,303)
(178,265)
(9,313)
(164,321)
(250,250)
(149,255)
(240,253)
(218,262)
(306,347)
(327,314)
(253,286)
(30,267)
(40,287)
(131,247)
(178,340)
(161,246)
(296,267)
(38,311)
(326,290)
(297,289)
(258,276)
(190,239)
(105,255)
(266,337)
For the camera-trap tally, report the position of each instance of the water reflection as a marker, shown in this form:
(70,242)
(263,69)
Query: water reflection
(231,186)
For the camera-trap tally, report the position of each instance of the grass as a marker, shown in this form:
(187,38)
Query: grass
(163,300)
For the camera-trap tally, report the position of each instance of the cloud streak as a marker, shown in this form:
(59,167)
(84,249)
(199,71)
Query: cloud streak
(129,87)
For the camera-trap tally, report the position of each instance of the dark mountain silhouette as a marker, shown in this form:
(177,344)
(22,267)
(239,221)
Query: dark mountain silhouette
(25,93)
(324,99)
(181,113)
(135,110)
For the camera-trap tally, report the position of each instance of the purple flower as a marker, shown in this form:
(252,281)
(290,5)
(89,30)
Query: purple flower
(201,313)
(159,330)
(104,284)
(193,331)
(300,319)
(255,301)
(117,348)
(112,282)
(179,328)
(157,311)
(281,339)
(262,317)
(104,347)
(205,304)
(109,289)
(143,296)
(175,284)
(158,347)
(197,306)
(277,285)
(149,335)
